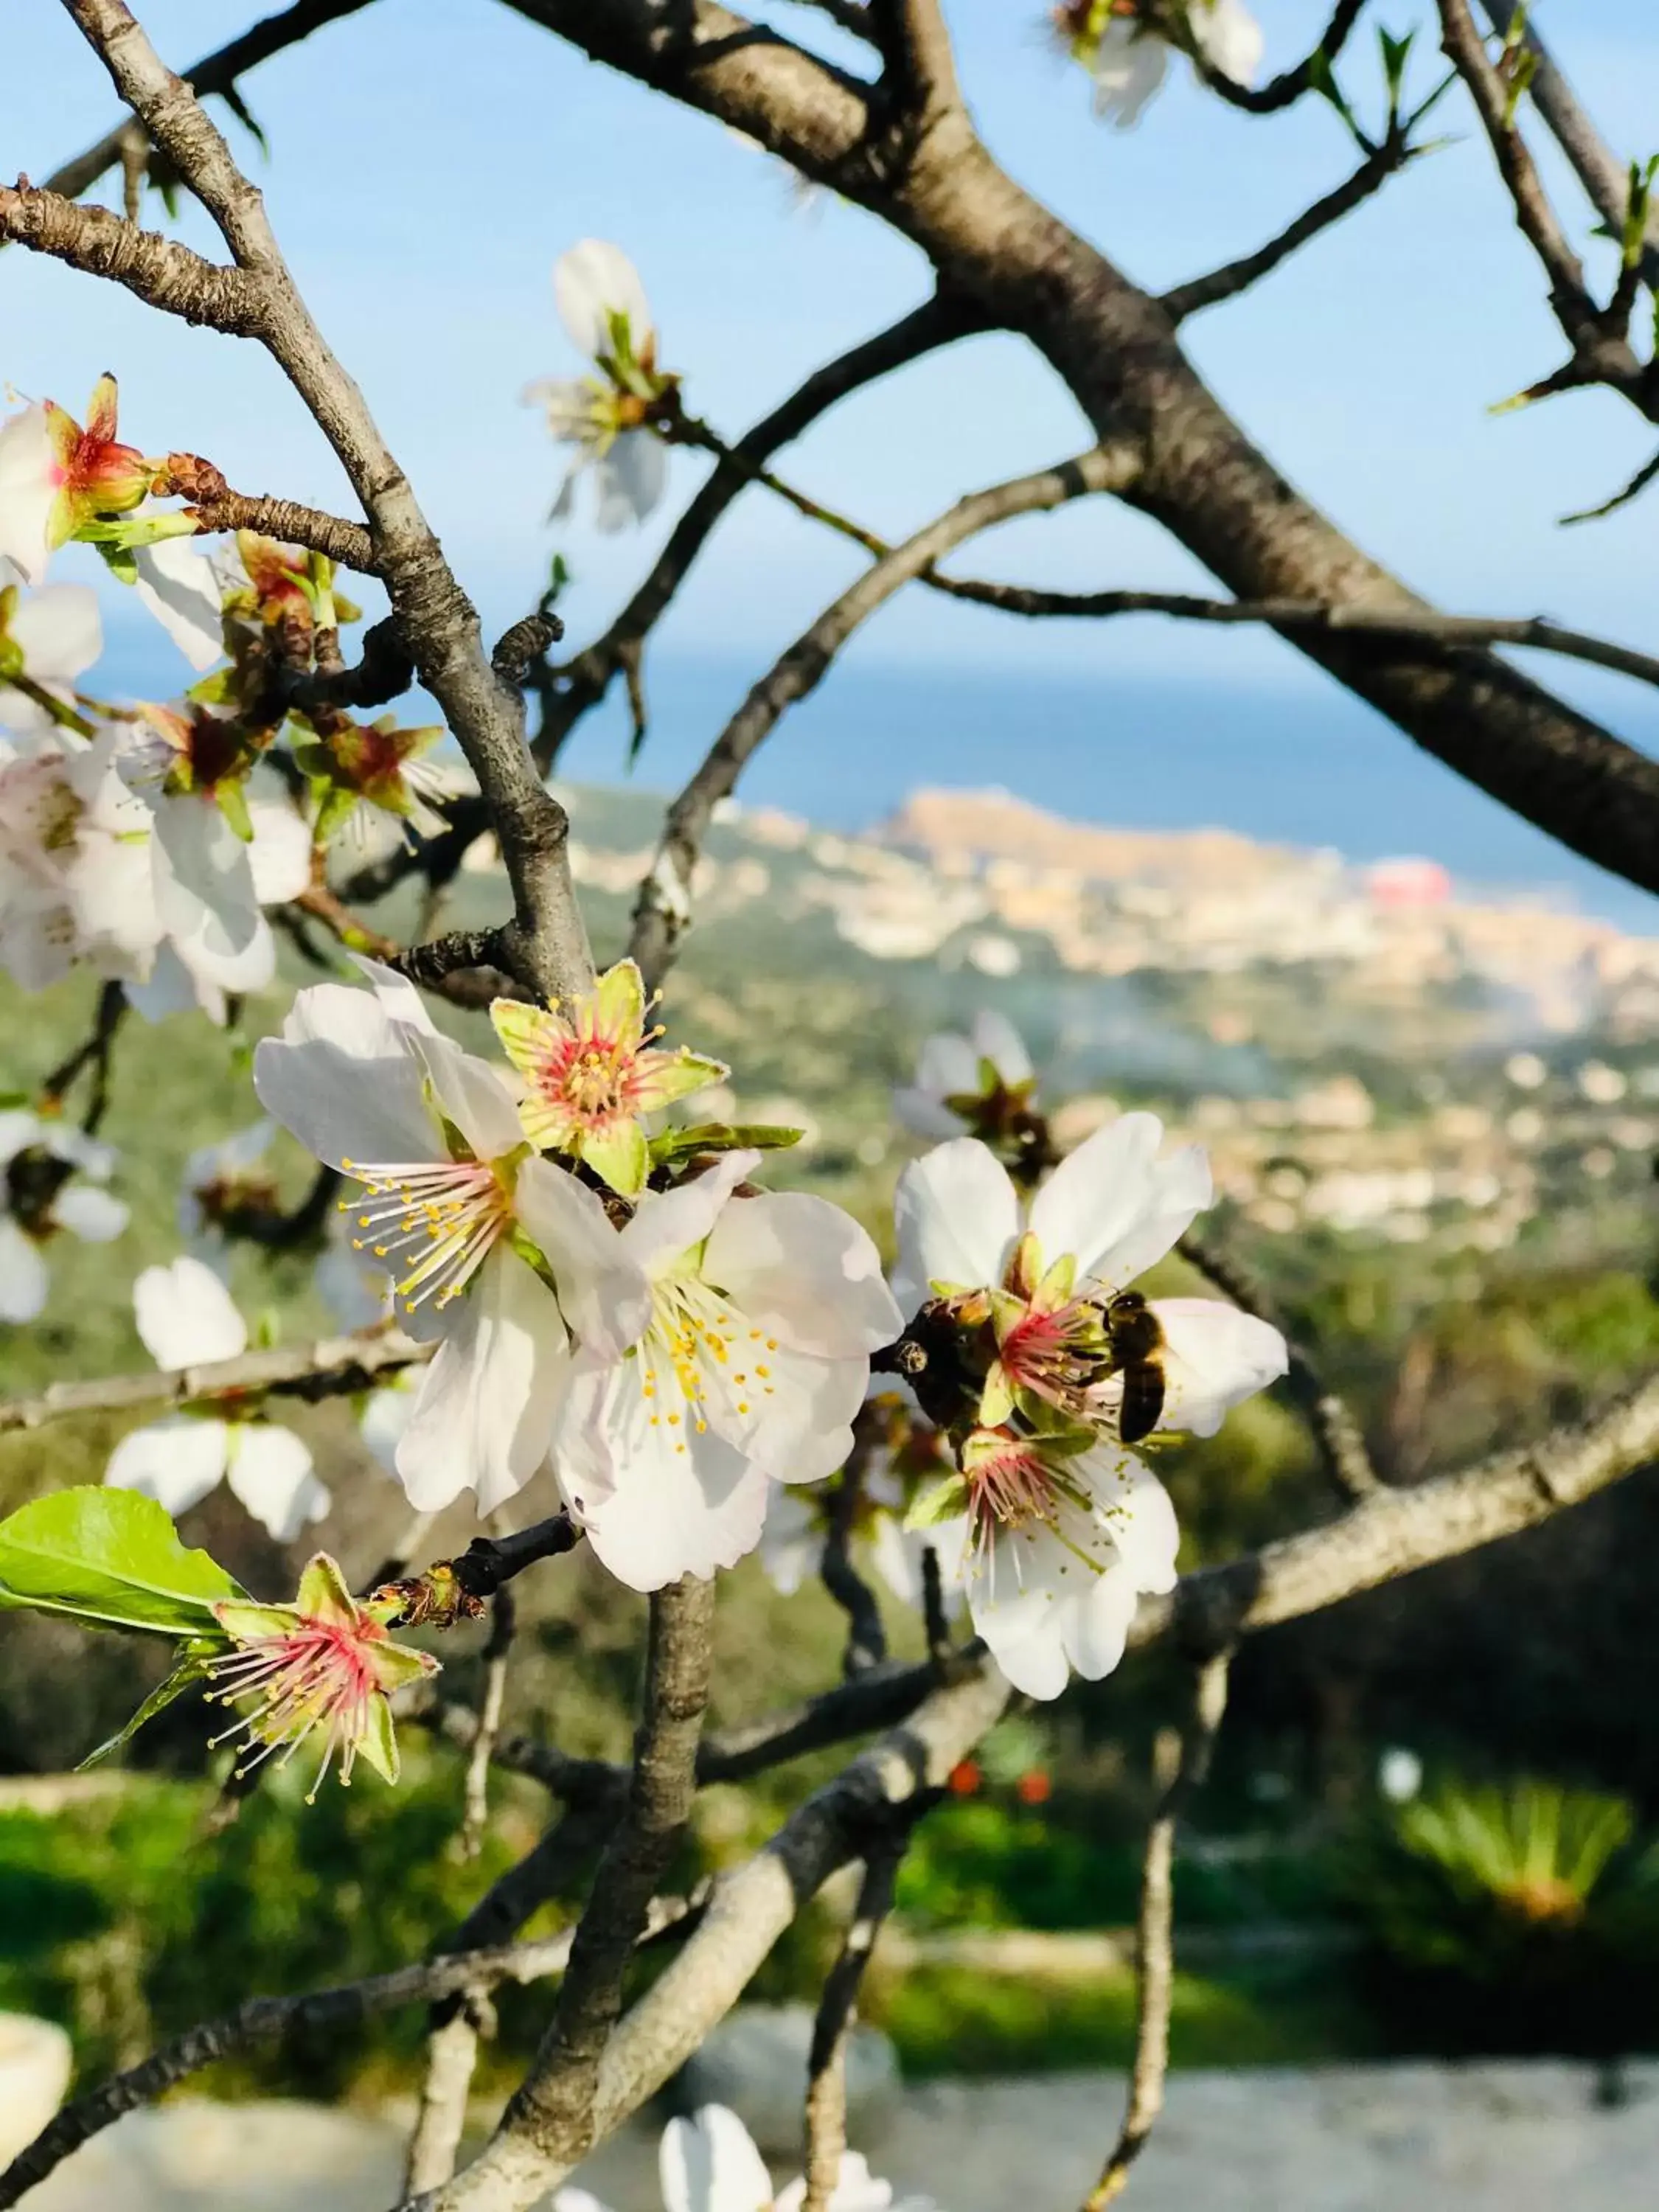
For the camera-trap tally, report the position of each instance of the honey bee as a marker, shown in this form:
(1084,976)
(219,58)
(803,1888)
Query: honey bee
(1136,1339)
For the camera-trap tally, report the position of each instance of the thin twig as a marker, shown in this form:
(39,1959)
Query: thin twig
(1233,277)
(866,1640)
(330,1367)
(96,1053)
(475,1794)
(1282,91)
(1155,1937)
(663,908)
(261,2019)
(1336,1433)
(837,2014)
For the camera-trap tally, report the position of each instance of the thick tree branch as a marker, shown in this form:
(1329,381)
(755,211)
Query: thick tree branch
(551,2116)
(663,909)
(330,1367)
(1115,349)
(1155,1937)
(216,72)
(548,941)
(216,507)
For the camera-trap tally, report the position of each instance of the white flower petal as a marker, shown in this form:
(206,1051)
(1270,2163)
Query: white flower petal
(57,632)
(176,1461)
(669,1222)
(178,586)
(996,1039)
(24,1281)
(592,282)
(792,1541)
(29,490)
(487,1402)
(957,1219)
(280,855)
(803,1271)
(89,1213)
(796,1422)
(920,1111)
(1137,1512)
(1095,1625)
(185,1316)
(343,1078)
(472,1095)
(603,1292)
(19,1130)
(709,2164)
(271,1472)
(386,1416)
(629,480)
(1128,68)
(1098,1192)
(204,895)
(675,1504)
(1215,1357)
(946,1065)
(1230,38)
(397,995)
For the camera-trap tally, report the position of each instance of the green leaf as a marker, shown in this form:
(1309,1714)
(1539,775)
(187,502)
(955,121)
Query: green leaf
(119,561)
(192,1669)
(239,108)
(232,802)
(111,1557)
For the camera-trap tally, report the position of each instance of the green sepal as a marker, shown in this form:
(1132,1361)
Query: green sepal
(231,800)
(120,563)
(722,1137)
(129,530)
(941,1501)
(196,1666)
(996,1400)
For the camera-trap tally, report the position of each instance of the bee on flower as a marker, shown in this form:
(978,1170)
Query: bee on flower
(1020,1351)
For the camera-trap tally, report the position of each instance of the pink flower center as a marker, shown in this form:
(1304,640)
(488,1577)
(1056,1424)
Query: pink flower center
(1010,1486)
(1055,1354)
(595,1079)
(317,1676)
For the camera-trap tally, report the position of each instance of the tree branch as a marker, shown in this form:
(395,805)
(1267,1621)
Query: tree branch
(1115,349)
(1235,276)
(159,270)
(262,2019)
(582,682)
(1284,90)
(216,72)
(1337,1435)
(550,2119)
(1155,1937)
(547,936)
(1605,178)
(663,908)
(330,1367)
(826,2063)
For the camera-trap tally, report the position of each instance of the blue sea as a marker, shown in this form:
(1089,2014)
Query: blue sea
(1305,765)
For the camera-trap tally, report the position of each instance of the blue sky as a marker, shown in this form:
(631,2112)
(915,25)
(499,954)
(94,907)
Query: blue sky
(431,157)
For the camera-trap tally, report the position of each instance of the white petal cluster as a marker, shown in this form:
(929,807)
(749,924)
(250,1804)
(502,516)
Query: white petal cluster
(670,1365)
(709,2163)
(52,1180)
(952,1066)
(1053,1559)
(186,1318)
(1128,57)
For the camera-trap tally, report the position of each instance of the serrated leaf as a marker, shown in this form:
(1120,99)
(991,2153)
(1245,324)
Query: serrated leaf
(113,1558)
(194,1668)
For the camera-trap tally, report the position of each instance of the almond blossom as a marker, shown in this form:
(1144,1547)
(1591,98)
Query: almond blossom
(187,1318)
(48,640)
(1125,47)
(709,2163)
(497,1254)
(55,478)
(216,856)
(957,1076)
(222,1182)
(323,1666)
(601,304)
(76,880)
(1052,1524)
(51,1179)
(764,1311)
(592,1074)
